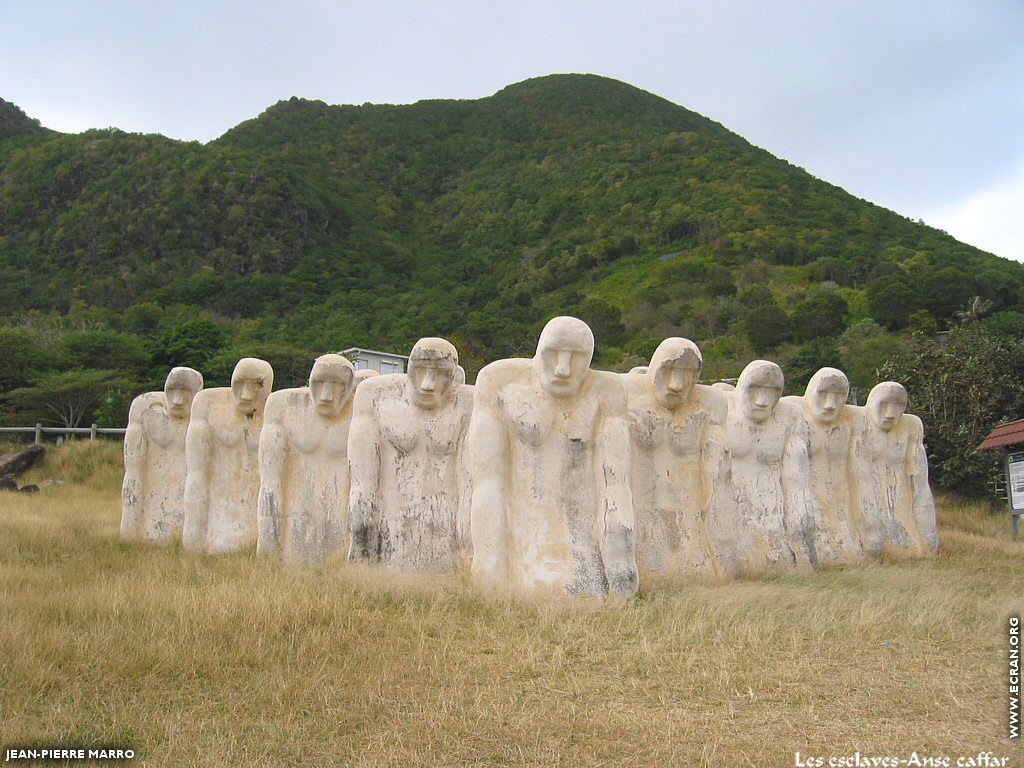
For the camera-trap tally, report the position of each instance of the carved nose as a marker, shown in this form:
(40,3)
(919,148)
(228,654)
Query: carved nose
(563,369)
(326,394)
(675,383)
(427,384)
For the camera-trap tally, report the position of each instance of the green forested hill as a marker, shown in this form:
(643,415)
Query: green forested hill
(316,227)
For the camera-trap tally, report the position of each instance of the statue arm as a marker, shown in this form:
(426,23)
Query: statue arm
(618,532)
(720,510)
(273,444)
(197,497)
(464,489)
(796,489)
(364,447)
(488,460)
(135,445)
(924,502)
(865,509)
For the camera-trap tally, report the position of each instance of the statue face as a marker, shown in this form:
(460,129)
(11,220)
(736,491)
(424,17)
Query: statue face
(330,385)
(759,389)
(826,394)
(886,405)
(674,370)
(180,390)
(433,370)
(250,385)
(563,357)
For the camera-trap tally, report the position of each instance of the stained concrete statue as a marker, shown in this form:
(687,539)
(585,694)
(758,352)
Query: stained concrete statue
(549,456)
(767,444)
(900,516)
(409,503)
(681,488)
(303,461)
(221,449)
(363,375)
(837,482)
(153,492)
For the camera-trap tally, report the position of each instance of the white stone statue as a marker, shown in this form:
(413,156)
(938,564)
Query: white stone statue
(900,516)
(221,450)
(409,503)
(767,444)
(549,455)
(837,482)
(685,515)
(304,486)
(363,375)
(153,493)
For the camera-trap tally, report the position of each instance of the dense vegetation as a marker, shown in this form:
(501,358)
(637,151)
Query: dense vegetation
(316,227)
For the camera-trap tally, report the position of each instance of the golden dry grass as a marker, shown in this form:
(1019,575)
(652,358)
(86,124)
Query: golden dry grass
(234,661)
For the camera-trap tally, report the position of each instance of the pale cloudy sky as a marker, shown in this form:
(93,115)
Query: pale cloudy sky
(914,105)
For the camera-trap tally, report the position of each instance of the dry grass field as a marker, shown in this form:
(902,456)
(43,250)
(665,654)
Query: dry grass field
(232,661)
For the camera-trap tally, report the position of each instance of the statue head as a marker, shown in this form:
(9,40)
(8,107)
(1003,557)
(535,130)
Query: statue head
(639,370)
(887,403)
(433,367)
(674,370)
(363,375)
(180,389)
(251,382)
(826,394)
(564,352)
(759,389)
(330,384)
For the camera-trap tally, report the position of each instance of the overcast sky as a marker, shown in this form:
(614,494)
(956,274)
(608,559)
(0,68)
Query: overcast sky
(916,106)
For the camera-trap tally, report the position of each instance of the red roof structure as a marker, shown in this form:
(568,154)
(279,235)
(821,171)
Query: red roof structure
(1011,433)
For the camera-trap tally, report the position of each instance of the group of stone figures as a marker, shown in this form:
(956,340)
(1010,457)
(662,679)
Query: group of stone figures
(546,474)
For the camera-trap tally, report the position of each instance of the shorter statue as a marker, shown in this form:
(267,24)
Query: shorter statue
(221,450)
(767,445)
(836,481)
(153,493)
(549,455)
(899,519)
(680,480)
(303,502)
(409,500)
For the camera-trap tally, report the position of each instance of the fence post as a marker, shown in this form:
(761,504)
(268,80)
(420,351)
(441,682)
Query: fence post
(39,433)
(92,432)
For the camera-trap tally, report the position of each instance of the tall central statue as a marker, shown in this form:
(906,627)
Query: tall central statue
(549,456)
(680,482)
(303,502)
(767,442)
(409,503)
(221,458)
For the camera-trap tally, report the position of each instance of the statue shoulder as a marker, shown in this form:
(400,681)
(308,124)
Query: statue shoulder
(147,401)
(495,376)
(611,388)
(284,400)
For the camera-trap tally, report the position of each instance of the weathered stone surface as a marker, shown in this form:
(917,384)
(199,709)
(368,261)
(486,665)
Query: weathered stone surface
(153,491)
(221,449)
(304,483)
(837,482)
(410,491)
(8,483)
(685,513)
(23,461)
(549,456)
(899,515)
(767,444)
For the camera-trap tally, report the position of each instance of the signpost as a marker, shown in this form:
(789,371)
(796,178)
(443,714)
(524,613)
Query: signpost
(1014,466)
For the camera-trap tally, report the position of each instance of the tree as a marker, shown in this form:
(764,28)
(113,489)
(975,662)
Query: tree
(961,388)
(892,300)
(766,326)
(191,344)
(976,309)
(821,314)
(67,397)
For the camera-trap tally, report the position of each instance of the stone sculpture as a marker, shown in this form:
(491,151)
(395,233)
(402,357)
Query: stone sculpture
(767,445)
(835,480)
(899,517)
(409,503)
(303,462)
(681,490)
(549,456)
(221,449)
(153,492)
(363,375)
